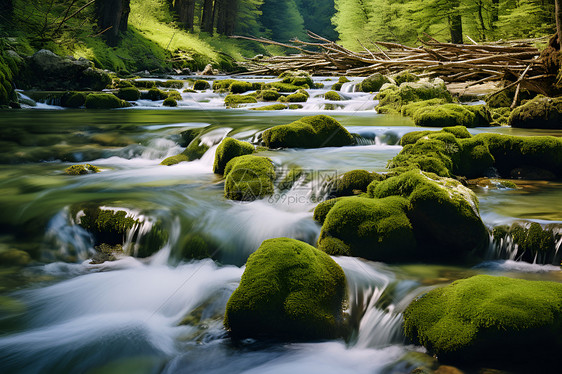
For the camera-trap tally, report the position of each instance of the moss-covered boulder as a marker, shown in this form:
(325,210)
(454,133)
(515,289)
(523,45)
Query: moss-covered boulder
(129,93)
(144,84)
(539,113)
(172,83)
(268,95)
(375,229)
(81,169)
(353,182)
(170,102)
(249,178)
(297,78)
(483,320)
(392,98)
(297,97)
(308,132)
(154,94)
(201,85)
(194,151)
(233,100)
(337,86)
(332,96)
(373,83)
(289,291)
(444,214)
(404,77)
(271,107)
(73,99)
(448,115)
(240,87)
(228,149)
(104,101)
(282,87)
(173,94)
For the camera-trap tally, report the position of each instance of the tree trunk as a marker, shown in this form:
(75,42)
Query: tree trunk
(6,10)
(495,12)
(232,17)
(207,19)
(112,16)
(185,9)
(558,15)
(455,23)
(221,14)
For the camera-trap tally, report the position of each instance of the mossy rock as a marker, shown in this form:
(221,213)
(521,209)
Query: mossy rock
(404,77)
(539,113)
(154,94)
(249,178)
(144,84)
(373,83)
(308,132)
(500,116)
(110,227)
(271,107)
(332,96)
(173,94)
(170,102)
(228,149)
(375,229)
(174,83)
(353,182)
(293,175)
(81,169)
(282,87)
(410,109)
(269,95)
(443,213)
(187,136)
(194,151)
(13,257)
(322,209)
(240,87)
(223,84)
(392,98)
(448,115)
(73,99)
(298,97)
(535,243)
(129,93)
(201,85)
(484,319)
(297,78)
(122,83)
(289,291)
(233,100)
(104,101)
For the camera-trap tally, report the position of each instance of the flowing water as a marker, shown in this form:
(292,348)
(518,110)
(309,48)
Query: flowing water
(65,313)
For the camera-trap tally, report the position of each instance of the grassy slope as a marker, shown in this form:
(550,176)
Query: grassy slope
(153,42)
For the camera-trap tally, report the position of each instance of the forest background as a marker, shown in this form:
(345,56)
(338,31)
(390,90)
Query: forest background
(158,35)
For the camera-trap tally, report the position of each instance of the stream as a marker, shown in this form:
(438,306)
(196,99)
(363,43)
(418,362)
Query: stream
(161,314)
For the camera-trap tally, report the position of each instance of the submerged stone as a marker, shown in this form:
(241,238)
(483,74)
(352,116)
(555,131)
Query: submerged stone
(289,291)
(483,320)
(308,132)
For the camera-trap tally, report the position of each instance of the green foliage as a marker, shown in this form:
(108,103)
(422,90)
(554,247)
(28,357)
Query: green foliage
(283,19)
(289,290)
(485,319)
(248,178)
(308,132)
(228,149)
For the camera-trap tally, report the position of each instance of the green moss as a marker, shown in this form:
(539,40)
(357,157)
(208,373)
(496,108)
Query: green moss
(223,84)
(332,96)
(322,209)
(122,83)
(343,80)
(187,136)
(228,149)
(239,87)
(500,116)
(393,98)
(297,78)
(534,243)
(501,100)
(410,109)
(196,246)
(375,229)
(296,98)
(173,94)
(282,87)
(194,151)
(271,107)
(353,182)
(405,76)
(248,178)
(170,102)
(447,115)
(172,84)
(484,319)
(129,93)
(337,86)
(295,106)
(289,290)
(235,100)
(373,83)
(8,70)
(318,86)
(539,113)
(81,169)
(73,99)
(288,181)
(173,160)
(144,84)
(154,94)
(104,101)
(443,213)
(308,132)
(201,85)
(13,257)
(269,95)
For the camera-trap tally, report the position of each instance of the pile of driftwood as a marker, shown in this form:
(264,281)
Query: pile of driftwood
(517,62)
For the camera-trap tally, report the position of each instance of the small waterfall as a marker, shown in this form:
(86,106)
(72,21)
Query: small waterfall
(349,87)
